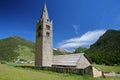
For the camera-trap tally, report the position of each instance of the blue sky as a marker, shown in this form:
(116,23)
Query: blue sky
(76,22)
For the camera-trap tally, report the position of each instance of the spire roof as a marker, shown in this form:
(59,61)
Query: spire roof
(45,13)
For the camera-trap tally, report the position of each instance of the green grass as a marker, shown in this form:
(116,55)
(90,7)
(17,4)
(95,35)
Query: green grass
(13,73)
(108,68)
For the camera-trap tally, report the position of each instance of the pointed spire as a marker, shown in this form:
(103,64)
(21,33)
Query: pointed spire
(44,15)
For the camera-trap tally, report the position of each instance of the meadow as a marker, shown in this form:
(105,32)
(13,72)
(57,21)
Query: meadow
(8,72)
(104,68)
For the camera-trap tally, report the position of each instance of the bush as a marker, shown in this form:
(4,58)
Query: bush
(3,62)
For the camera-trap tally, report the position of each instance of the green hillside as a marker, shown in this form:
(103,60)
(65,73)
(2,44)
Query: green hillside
(80,50)
(61,51)
(13,48)
(56,52)
(16,48)
(107,49)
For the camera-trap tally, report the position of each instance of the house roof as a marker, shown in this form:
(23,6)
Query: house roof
(67,60)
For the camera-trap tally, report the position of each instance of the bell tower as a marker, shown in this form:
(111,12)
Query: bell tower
(43,46)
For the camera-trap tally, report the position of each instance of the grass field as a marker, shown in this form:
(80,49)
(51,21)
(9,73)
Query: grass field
(108,68)
(13,73)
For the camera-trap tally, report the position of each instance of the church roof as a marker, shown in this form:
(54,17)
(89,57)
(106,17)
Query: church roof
(67,60)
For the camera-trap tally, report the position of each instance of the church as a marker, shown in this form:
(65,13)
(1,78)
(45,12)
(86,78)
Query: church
(76,63)
(44,51)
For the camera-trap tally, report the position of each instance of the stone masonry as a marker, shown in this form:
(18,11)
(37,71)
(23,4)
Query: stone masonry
(44,52)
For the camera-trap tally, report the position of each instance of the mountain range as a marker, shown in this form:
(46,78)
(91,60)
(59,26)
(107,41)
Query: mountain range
(106,50)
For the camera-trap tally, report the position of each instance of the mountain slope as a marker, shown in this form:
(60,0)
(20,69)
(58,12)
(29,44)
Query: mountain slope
(9,48)
(61,51)
(107,49)
(80,50)
(16,48)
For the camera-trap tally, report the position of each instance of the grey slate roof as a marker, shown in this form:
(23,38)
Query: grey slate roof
(67,60)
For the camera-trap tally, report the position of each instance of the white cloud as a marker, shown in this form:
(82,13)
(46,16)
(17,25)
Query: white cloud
(85,40)
(76,27)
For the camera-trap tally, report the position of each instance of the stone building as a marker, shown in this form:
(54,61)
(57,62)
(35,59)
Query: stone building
(44,52)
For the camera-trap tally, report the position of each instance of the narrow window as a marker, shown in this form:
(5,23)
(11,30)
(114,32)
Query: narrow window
(47,27)
(47,34)
(39,34)
(40,27)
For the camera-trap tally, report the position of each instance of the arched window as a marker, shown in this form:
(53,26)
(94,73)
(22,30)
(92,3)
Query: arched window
(47,27)
(47,34)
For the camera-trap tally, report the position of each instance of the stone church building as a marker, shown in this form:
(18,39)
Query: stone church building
(44,50)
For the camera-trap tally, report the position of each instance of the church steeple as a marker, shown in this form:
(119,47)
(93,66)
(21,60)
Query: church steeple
(44,36)
(45,15)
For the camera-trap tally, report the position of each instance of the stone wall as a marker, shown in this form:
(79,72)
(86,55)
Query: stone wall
(97,72)
(109,73)
(87,71)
